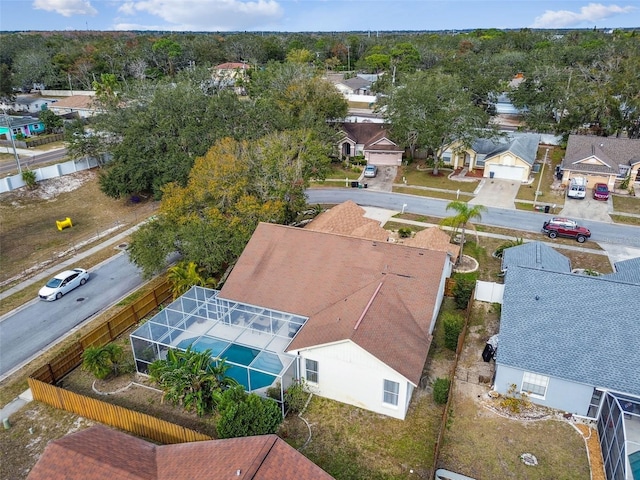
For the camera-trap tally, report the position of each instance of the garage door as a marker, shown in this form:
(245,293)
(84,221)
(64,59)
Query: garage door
(506,172)
(382,159)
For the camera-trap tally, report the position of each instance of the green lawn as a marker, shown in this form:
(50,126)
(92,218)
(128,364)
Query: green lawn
(464,196)
(543,180)
(427,179)
(626,203)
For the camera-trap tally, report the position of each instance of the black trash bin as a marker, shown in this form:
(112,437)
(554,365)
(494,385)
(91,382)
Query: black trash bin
(355,184)
(365,185)
(546,209)
(491,174)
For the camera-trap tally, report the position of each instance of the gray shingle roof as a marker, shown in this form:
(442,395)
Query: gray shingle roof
(524,146)
(576,327)
(535,255)
(627,271)
(611,151)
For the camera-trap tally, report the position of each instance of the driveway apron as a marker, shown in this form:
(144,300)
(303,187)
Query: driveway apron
(587,208)
(496,193)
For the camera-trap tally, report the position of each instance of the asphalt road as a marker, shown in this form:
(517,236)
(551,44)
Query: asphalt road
(31,161)
(616,234)
(38,324)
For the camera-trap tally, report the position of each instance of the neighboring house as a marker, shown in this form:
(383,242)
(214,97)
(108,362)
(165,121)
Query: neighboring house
(81,106)
(570,342)
(507,116)
(510,158)
(536,255)
(371,309)
(99,452)
(230,75)
(371,141)
(27,126)
(354,86)
(601,159)
(28,104)
(352,316)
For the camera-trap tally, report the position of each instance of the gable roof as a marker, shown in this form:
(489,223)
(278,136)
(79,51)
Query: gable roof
(535,255)
(350,289)
(368,134)
(610,152)
(100,452)
(523,146)
(434,238)
(348,218)
(577,327)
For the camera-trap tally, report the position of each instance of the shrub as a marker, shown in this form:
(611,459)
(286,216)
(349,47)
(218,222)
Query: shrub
(511,243)
(253,416)
(404,232)
(462,291)
(29,177)
(515,401)
(295,397)
(102,361)
(441,390)
(453,324)
(274,391)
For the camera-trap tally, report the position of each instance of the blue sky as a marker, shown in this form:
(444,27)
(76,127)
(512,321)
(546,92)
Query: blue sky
(314,15)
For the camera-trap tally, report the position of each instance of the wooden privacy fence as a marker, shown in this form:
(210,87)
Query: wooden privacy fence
(139,424)
(71,357)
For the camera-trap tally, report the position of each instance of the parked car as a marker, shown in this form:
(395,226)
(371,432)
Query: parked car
(370,171)
(564,227)
(63,283)
(601,191)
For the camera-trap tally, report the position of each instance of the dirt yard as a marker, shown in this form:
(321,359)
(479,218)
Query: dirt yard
(29,237)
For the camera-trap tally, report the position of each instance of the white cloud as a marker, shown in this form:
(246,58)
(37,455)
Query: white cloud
(66,8)
(591,13)
(204,15)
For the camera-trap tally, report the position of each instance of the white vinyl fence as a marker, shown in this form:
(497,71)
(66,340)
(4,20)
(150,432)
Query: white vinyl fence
(489,292)
(44,173)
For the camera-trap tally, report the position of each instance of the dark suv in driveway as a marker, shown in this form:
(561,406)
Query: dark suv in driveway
(563,227)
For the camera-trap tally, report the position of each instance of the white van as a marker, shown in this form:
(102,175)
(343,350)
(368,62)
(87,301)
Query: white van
(577,188)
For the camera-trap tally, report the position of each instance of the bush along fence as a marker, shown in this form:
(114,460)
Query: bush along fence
(447,407)
(139,424)
(71,357)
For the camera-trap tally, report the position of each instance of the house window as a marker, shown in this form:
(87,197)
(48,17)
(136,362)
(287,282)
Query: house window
(391,391)
(623,171)
(446,158)
(533,384)
(312,370)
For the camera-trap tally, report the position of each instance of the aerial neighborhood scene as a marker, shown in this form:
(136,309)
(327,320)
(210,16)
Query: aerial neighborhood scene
(340,240)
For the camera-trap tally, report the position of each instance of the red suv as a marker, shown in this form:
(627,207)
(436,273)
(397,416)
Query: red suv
(563,227)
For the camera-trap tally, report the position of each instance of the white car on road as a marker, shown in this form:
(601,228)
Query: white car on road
(63,283)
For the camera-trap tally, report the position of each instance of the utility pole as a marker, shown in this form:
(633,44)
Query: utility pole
(348,58)
(13,142)
(544,162)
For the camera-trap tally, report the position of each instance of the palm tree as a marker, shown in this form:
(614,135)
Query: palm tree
(185,275)
(461,219)
(103,360)
(192,379)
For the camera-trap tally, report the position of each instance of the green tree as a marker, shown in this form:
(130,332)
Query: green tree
(441,390)
(84,144)
(102,361)
(52,122)
(461,220)
(299,55)
(107,91)
(247,416)
(192,379)
(452,323)
(6,82)
(185,275)
(433,111)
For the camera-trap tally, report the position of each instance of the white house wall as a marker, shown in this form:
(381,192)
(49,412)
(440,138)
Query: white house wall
(561,394)
(446,273)
(349,374)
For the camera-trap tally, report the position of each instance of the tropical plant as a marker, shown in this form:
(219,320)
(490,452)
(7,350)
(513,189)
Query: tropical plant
(404,232)
(185,275)
(245,415)
(464,214)
(192,379)
(508,244)
(29,177)
(102,361)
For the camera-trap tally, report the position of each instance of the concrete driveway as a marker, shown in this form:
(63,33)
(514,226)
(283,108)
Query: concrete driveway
(588,208)
(383,181)
(497,193)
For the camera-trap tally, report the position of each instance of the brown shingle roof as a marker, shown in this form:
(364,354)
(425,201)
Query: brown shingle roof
(368,134)
(348,218)
(74,101)
(99,452)
(372,293)
(434,239)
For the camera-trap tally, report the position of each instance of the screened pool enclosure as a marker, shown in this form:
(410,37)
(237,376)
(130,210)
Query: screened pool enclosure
(251,339)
